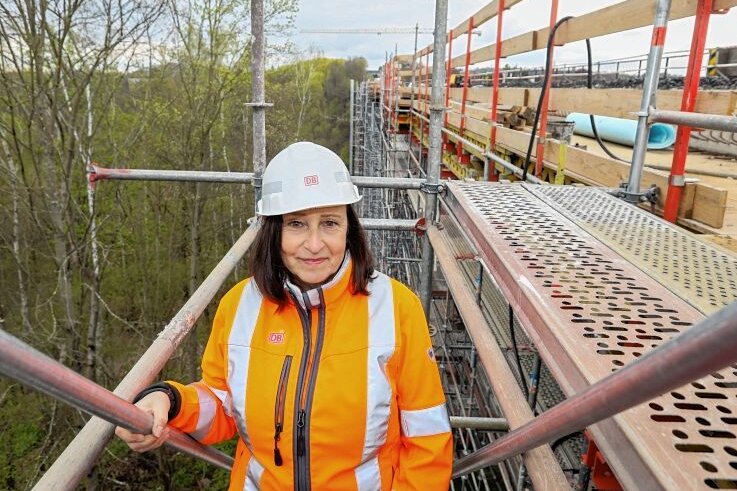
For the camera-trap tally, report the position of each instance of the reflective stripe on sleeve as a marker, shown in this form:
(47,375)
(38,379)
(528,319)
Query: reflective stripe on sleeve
(381,341)
(425,422)
(208,408)
(239,354)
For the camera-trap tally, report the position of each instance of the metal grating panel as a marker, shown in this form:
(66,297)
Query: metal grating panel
(698,272)
(590,311)
(495,309)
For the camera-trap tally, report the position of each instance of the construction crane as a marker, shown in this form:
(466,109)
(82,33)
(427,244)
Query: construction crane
(377,30)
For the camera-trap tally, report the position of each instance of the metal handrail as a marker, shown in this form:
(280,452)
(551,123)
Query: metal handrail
(98,173)
(673,364)
(81,454)
(695,120)
(543,467)
(36,370)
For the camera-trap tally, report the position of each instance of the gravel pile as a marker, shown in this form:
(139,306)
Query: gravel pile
(627,82)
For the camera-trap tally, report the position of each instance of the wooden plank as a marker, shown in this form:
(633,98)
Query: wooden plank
(710,205)
(709,208)
(618,103)
(622,103)
(619,17)
(512,96)
(622,17)
(483,15)
(703,207)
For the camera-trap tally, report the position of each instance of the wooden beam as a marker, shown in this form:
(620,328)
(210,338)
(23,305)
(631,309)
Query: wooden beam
(619,17)
(618,103)
(483,15)
(710,205)
(704,203)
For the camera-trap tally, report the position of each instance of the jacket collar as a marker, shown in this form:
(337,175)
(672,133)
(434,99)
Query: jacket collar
(325,293)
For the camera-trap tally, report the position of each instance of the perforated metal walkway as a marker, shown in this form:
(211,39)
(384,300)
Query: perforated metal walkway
(597,283)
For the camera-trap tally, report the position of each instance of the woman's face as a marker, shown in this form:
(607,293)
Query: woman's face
(313,243)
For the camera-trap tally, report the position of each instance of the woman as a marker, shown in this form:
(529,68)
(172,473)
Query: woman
(323,366)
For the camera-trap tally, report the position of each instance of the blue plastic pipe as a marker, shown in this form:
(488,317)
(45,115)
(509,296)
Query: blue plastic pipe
(623,131)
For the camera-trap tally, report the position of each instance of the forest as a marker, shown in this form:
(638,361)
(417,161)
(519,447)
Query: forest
(91,272)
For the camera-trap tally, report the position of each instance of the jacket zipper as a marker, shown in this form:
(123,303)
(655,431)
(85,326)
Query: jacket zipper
(302,411)
(281,395)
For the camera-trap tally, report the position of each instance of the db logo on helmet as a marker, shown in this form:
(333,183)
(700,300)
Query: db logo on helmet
(311,180)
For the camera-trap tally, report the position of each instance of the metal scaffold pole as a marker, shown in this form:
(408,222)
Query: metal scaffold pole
(437,108)
(258,95)
(665,368)
(632,192)
(98,173)
(30,367)
(350,126)
(84,450)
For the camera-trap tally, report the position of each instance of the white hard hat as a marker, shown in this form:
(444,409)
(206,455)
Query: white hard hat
(303,176)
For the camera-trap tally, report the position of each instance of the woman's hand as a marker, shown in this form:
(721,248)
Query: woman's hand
(157,404)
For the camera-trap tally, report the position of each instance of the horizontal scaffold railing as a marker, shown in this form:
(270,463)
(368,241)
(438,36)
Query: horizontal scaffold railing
(669,366)
(79,457)
(81,454)
(24,364)
(97,173)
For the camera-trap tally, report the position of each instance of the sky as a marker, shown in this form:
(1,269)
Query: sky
(523,17)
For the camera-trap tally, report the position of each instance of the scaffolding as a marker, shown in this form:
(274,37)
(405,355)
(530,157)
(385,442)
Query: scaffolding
(544,320)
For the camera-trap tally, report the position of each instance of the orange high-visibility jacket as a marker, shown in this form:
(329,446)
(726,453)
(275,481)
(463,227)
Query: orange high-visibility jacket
(334,391)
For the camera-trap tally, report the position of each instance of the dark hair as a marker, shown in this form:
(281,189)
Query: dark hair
(269,270)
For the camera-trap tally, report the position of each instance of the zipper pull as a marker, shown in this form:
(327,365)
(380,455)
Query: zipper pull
(301,418)
(277,454)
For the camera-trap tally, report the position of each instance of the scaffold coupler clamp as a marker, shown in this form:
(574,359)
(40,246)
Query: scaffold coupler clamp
(92,176)
(428,188)
(678,180)
(651,195)
(261,105)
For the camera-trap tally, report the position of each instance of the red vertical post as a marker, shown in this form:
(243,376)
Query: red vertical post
(394,95)
(395,92)
(465,75)
(495,90)
(383,85)
(540,152)
(688,102)
(387,94)
(447,74)
(427,81)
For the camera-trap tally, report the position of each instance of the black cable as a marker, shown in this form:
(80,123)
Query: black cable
(548,60)
(516,353)
(590,85)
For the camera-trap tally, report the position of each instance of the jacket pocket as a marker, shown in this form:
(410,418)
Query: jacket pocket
(281,396)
